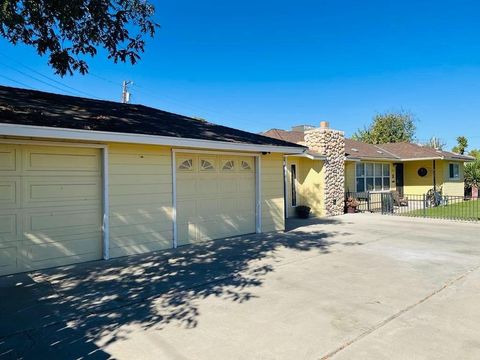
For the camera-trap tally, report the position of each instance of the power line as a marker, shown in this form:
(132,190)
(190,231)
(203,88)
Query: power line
(17,82)
(48,78)
(39,80)
(152,94)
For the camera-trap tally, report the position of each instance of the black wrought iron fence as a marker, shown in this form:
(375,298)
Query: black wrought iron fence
(431,205)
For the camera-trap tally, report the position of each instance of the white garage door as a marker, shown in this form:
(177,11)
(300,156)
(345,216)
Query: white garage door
(50,206)
(215,196)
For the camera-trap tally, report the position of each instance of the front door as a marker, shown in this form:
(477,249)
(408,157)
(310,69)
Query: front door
(399,178)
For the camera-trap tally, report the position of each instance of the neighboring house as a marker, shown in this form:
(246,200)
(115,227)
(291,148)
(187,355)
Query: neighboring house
(84,179)
(408,168)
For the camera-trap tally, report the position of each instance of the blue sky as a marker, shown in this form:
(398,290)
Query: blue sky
(256,65)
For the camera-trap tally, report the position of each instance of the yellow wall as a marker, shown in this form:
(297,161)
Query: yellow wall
(413,183)
(350,176)
(273,218)
(140,199)
(450,186)
(310,185)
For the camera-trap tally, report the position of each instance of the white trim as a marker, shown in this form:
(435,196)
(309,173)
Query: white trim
(285,187)
(459,172)
(309,156)
(52,143)
(258,194)
(364,163)
(193,151)
(106,136)
(294,162)
(174,199)
(106,206)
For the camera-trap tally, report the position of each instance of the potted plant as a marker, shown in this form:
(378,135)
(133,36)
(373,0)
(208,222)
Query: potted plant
(351,205)
(302,211)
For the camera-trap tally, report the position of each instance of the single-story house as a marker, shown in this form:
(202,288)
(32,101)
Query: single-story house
(85,179)
(408,168)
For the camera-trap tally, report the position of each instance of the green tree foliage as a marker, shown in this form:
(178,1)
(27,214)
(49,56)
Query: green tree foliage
(69,31)
(472,174)
(475,153)
(435,143)
(390,127)
(462,144)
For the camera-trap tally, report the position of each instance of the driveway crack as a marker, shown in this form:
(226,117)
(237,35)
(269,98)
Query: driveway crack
(398,314)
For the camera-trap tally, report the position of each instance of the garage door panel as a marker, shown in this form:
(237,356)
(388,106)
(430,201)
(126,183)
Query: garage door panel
(9,227)
(8,259)
(9,159)
(206,187)
(53,225)
(60,253)
(10,192)
(42,158)
(227,187)
(60,191)
(186,187)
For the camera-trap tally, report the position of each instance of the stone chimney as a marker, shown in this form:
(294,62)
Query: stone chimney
(331,144)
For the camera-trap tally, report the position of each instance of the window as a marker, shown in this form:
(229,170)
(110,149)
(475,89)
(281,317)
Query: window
(454,171)
(228,165)
(207,165)
(186,165)
(293,183)
(245,165)
(372,177)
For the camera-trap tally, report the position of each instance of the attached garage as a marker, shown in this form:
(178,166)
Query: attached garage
(215,196)
(50,206)
(84,179)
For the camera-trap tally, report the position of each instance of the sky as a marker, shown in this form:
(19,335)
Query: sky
(257,65)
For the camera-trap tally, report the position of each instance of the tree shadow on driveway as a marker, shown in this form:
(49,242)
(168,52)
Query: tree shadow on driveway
(66,311)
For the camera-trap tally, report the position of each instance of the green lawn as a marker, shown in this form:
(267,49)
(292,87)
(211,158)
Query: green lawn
(465,210)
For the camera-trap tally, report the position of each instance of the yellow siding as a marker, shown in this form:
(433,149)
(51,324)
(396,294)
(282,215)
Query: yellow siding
(273,218)
(350,176)
(417,185)
(140,199)
(50,206)
(453,187)
(312,185)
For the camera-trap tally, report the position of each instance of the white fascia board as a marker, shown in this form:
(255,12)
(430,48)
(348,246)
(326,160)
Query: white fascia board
(106,136)
(308,156)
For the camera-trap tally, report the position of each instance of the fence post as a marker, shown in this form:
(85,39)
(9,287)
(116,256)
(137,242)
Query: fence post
(368,202)
(424,202)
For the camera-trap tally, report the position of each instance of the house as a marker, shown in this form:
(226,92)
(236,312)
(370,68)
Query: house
(85,179)
(408,168)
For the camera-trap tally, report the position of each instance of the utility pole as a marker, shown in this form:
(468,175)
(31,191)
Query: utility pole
(125,93)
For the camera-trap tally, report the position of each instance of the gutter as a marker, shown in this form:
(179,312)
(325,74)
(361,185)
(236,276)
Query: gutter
(106,136)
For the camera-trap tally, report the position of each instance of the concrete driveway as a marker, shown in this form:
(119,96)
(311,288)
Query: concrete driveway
(350,287)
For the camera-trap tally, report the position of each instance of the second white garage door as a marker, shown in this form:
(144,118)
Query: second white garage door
(215,196)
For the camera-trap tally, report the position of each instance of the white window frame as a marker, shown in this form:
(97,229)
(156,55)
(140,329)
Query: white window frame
(458,171)
(374,177)
(293,185)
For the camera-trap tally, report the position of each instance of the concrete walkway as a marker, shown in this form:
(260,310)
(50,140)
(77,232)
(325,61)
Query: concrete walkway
(351,287)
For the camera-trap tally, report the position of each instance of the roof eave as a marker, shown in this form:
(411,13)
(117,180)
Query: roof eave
(105,136)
